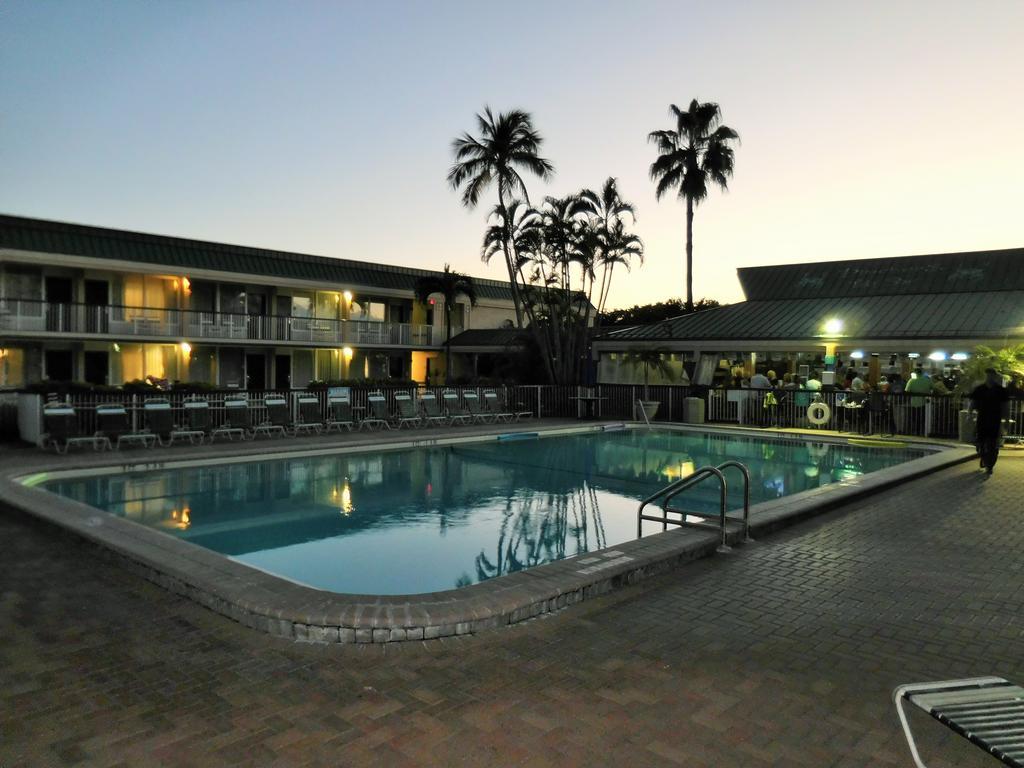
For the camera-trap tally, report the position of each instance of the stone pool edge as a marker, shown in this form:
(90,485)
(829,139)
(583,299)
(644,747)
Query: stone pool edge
(276,606)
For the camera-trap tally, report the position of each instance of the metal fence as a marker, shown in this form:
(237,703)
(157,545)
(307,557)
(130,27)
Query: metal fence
(894,414)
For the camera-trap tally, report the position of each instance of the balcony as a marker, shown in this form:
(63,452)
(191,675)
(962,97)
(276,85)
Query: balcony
(40,318)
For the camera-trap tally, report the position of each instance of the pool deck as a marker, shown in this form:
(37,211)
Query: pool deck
(782,654)
(287,609)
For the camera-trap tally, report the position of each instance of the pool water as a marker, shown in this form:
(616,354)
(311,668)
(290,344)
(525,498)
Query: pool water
(434,518)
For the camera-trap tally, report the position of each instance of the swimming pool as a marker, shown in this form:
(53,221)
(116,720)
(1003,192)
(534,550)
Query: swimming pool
(425,519)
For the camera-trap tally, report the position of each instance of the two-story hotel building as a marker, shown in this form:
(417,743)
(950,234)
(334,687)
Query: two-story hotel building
(106,306)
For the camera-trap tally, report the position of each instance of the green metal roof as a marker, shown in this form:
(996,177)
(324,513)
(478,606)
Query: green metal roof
(179,254)
(969,272)
(979,294)
(941,315)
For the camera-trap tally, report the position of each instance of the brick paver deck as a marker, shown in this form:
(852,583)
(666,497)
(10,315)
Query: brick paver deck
(781,654)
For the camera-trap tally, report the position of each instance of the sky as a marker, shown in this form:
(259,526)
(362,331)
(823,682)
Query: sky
(867,129)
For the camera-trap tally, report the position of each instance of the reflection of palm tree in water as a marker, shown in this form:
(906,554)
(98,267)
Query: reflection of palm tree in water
(533,533)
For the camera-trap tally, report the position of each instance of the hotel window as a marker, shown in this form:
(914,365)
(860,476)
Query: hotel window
(145,295)
(232,299)
(327,304)
(368,310)
(27,285)
(302,305)
(328,364)
(12,367)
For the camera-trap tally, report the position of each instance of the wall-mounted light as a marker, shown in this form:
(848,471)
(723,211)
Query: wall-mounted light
(959,356)
(937,356)
(186,285)
(857,355)
(347,352)
(117,347)
(914,355)
(186,348)
(348,296)
(833,326)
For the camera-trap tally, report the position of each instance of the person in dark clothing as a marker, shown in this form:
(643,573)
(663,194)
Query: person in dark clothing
(989,400)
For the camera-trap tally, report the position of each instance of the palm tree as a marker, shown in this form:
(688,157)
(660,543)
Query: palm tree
(616,245)
(507,145)
(450,285)
(690,156)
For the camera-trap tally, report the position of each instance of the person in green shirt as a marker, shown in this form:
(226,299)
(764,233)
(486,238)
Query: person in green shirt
(919,384)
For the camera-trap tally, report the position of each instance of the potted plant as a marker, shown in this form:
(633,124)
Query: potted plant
(651,360)
(1008,361)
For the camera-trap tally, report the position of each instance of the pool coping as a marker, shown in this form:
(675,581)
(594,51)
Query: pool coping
(287,609)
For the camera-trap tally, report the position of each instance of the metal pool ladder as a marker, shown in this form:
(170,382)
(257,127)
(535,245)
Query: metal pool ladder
(674,489)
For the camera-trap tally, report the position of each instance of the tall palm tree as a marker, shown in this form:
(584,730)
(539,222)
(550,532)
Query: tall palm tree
(450,285)
(690,156)
(507,145)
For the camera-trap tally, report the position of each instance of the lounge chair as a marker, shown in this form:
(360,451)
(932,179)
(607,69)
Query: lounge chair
(114,427)
(457,412)
(432,409)
(236,419)
(476,410)
(987,711)
(339,414)
(278,419)
(309,415)
(517,410)
(378,415)
(159,420)
(197,422)
(408,413)
(493,406)
(61,430)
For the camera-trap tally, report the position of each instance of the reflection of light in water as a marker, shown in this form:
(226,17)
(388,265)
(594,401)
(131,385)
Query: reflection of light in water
(346,499)
(683,469)
(181,520)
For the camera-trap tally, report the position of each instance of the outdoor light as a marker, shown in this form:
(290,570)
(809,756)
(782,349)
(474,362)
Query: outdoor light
(857,355)
(186,286)
(914,355)
(937,356)
(117,347)
(833,326)
(347,352)
(959,356)
(348,296)
(186,348)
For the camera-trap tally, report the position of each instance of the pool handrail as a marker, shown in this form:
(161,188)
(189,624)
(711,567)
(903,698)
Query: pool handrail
(677,487)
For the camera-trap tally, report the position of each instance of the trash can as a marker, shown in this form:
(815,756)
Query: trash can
(967,426)
(693,410)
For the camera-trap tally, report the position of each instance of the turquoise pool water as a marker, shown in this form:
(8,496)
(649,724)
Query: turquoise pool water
(434,518)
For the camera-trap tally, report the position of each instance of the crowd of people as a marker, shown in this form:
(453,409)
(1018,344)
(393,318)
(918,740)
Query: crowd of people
(920,382)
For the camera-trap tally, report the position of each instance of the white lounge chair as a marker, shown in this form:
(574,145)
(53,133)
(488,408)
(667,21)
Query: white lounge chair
(987,711)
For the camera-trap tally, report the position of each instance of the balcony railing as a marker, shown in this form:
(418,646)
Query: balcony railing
(124,322)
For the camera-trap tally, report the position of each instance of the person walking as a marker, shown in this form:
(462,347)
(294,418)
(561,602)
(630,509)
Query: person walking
(989,400)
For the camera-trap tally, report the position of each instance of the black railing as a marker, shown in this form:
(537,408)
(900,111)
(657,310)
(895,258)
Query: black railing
(936,416)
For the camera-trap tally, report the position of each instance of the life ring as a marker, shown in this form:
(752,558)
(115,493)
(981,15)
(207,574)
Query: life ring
(818,414)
